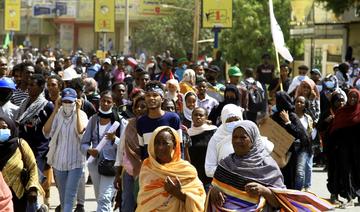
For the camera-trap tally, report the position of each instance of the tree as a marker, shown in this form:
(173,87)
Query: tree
(250,36)
(173,32)
(340,6)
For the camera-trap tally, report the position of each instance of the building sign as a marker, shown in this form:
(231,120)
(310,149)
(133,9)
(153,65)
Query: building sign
(104,16)
(12,15)
(216,13)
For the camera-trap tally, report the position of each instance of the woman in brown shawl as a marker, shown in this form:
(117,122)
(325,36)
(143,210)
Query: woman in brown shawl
(131,161)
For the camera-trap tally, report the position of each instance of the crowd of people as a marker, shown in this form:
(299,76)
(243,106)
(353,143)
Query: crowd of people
(171,134)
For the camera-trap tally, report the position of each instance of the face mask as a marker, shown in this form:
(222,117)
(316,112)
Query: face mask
(184,66)
(301,78)
(230,126)
(105,114)
(68,108)
(4,135)
(199,75)
(330,84)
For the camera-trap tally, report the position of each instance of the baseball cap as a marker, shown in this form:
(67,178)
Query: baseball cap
(107,60)
(234,72)
(68,94)
(315,71)
(213,68)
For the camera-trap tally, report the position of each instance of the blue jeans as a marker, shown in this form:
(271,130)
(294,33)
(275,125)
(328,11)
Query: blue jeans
(80,197)
(127,195)
(67,183)
(303,170)
(103,186)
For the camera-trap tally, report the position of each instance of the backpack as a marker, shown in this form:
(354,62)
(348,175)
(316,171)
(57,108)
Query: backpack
(256,98)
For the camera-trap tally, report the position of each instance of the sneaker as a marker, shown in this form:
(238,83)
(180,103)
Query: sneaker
(58,208)
(335,201)
(43,208)
(79,208)
(349,204)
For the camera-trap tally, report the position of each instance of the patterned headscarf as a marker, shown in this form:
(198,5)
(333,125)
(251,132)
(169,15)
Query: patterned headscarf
(257,165)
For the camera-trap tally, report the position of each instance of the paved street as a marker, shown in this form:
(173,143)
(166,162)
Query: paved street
(319,187)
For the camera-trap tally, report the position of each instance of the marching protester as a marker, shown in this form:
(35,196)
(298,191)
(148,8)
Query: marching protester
(249,173)
(218,148)
(65,127)
(18,166)
(34,112)
(190,102)
(101,169)
(164,172)
(286,117)
(200,134)
(128,157)
(7,88)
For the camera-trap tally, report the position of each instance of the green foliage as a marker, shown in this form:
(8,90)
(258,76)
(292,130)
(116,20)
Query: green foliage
(339,6)
(174,32)
(250,36)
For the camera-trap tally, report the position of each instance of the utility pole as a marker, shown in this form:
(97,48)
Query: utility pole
(196,30)
(126,34)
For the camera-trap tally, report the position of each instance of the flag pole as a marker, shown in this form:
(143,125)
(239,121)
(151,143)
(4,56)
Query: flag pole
(278,68)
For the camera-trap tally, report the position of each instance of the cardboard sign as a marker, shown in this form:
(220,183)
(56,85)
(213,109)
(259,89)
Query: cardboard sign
(281,139)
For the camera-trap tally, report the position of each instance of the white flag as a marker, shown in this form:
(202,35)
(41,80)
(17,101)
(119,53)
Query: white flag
(278,37)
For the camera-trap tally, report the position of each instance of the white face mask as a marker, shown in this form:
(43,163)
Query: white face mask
(230,126)
(68,108)
(105,112)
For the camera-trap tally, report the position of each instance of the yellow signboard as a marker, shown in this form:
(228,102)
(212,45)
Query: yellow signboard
(217,13)
(12,15)
(104,16)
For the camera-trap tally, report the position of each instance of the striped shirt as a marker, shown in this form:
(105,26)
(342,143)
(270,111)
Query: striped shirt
(18,96)
(67,155)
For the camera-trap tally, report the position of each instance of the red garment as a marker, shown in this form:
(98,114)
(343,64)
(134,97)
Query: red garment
(348,115)
(162,76)
(6,204)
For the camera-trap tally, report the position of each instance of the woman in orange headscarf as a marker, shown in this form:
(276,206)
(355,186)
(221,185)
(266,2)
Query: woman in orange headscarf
(168,183)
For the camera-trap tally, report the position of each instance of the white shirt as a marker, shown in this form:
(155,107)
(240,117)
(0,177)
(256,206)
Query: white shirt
(207,103)
(67,155)
(9,110)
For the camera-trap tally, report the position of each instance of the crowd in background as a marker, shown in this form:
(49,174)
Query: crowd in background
(166,133)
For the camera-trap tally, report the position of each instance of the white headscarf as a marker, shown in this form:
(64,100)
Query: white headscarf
(169,94)
(229,110)
(189,76)
(212,153)
(186,111)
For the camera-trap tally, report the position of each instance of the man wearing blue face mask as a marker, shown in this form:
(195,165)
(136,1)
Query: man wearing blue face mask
(180,69)
(303,70)
(7,88)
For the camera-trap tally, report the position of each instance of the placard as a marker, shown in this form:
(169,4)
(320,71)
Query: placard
(281,139)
